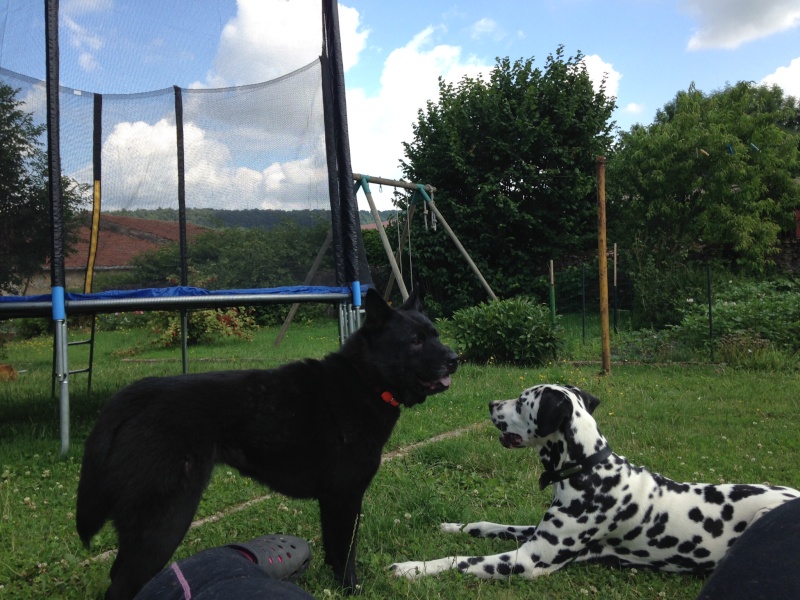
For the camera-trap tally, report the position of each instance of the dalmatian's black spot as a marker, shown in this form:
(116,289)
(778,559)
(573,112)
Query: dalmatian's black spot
(627,513)
(742,491)
(668,541)
(633,533)
(548,537)
(714,526)
(613,512)
(696,515)
(712,495)
(647,514)
(689,545)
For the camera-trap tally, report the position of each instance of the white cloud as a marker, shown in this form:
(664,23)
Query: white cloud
(633,108)
(88,44)
(597,68)
(486,28)
(269,38)
(729,23)
(379,124)
(210,169)
(787,78)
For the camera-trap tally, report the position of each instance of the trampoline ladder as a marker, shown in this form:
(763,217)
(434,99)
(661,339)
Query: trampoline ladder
(90,343)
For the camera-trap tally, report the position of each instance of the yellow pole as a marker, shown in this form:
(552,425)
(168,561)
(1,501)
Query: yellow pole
(605,333)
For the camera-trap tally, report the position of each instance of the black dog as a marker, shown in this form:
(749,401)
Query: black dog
(308,429)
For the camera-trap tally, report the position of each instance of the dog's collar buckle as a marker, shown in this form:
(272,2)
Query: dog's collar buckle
(389,398)
(568,471)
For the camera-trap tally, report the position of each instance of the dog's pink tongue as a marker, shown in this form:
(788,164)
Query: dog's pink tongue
(446,381)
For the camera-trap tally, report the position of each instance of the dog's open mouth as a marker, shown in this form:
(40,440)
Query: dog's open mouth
(511,440)
(439,385)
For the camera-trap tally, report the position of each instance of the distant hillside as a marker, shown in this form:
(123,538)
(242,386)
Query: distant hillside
(248,218)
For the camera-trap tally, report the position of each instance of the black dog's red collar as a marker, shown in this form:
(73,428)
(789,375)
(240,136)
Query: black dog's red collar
(389,399)
(573,469)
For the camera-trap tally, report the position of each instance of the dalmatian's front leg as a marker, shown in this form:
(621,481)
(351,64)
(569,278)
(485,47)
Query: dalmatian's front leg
(539,556)
(485,529)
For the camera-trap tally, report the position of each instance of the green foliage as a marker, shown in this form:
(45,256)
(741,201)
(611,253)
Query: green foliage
(710,179)
(238,258)
(204,326)
(513,160)
(24,201)
(261,218)
(29,328)
(515,331)
(124,321)
(756,315)
(748,350)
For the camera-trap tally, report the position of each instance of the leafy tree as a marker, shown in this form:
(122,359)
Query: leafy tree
(711,177)
(24,202)
(711,180)
(513,161)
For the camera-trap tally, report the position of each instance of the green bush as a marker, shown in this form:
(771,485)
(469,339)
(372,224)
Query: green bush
(516,331)
(755,312)
(204,326)
(32,327)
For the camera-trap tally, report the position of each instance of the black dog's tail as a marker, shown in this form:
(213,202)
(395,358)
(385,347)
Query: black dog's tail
(93,505)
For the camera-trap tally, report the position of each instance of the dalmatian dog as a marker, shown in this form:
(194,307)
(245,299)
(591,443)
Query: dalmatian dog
(604,508)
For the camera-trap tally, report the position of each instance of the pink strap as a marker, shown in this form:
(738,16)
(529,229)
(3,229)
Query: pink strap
(187,592)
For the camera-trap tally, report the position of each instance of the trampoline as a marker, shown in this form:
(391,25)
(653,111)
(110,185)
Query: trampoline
(305,108)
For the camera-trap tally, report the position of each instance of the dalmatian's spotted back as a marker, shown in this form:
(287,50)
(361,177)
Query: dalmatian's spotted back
(603,506)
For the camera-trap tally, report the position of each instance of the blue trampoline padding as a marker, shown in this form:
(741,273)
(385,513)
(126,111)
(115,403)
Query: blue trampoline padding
(180,292)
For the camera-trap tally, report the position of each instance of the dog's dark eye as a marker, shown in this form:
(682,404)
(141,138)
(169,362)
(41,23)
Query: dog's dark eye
(416,341)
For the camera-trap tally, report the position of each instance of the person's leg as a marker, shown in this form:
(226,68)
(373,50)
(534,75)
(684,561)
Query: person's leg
(227,571)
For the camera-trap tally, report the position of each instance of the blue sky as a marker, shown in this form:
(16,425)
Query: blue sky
(395,51)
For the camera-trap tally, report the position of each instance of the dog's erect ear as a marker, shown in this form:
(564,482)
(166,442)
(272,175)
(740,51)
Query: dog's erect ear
(414,301)
(378,312)
(554,410)
(589,401)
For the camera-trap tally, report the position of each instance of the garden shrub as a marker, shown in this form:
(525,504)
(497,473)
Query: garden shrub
(32,327)
(516,331)
(755,312)
(204,326)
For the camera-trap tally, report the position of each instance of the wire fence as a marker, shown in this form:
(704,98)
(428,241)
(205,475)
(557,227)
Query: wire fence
(575,303)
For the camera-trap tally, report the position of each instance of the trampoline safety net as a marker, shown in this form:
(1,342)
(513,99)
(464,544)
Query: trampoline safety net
(221,188)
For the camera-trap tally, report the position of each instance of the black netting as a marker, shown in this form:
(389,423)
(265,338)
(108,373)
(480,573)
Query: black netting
(256,177)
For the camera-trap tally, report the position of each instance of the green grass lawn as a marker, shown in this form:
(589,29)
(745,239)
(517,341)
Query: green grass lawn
(701,423)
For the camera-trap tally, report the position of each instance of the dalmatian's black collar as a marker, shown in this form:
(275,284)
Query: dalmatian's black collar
(569,470)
